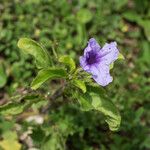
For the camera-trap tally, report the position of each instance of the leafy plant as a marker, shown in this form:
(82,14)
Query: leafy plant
(80,92)
(59,114)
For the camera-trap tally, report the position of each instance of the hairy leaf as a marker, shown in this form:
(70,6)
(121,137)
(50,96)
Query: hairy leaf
(36,50)
(93,100)
(45,74)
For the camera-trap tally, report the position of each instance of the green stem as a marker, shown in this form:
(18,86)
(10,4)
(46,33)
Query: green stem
(54,52)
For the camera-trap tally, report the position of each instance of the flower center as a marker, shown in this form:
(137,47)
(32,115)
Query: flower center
(92,57)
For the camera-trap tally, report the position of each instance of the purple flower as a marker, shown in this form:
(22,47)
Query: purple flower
(96,60)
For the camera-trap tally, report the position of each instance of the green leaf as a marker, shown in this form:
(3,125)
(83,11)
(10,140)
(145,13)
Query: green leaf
(10,141)
(54,141)
(120,4)
(3,76)
(85,101)
(36,50)
(45,74)
(146,143)
(14,108)
(84,16)
(80,84)
(145,52)
(93,100)
(68,61)
(111,66)
(120,56)
(11,109)
(132,16)
(145,24)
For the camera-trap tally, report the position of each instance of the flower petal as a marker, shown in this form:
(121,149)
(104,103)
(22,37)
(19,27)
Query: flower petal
(92,45)
(83,63)
(96,61)
(109,53)
(101,74)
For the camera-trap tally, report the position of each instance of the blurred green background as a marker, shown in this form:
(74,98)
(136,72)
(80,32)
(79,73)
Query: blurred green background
(69,24)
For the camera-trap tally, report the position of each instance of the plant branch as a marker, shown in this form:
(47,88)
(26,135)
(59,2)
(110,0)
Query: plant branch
(52,99)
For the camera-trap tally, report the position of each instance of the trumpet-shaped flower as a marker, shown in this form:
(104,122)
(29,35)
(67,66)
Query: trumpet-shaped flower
(97,60)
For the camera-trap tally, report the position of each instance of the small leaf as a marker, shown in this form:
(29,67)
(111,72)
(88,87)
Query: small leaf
(45,74)
(3,76)
(80,84)
(68,61)
(37,51)
(111,66)
(120,56)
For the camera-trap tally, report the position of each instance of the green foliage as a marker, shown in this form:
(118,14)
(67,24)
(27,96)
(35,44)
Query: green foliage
(94,100)
(84,16)
(67,25)
(3,76)
(53,141)
(10,141)
(120,57)
(90,100)
(68,61)
(145,54)
(80,84)
(14,108)
(35,49)
(11,109)
(45,74)
(144,23)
